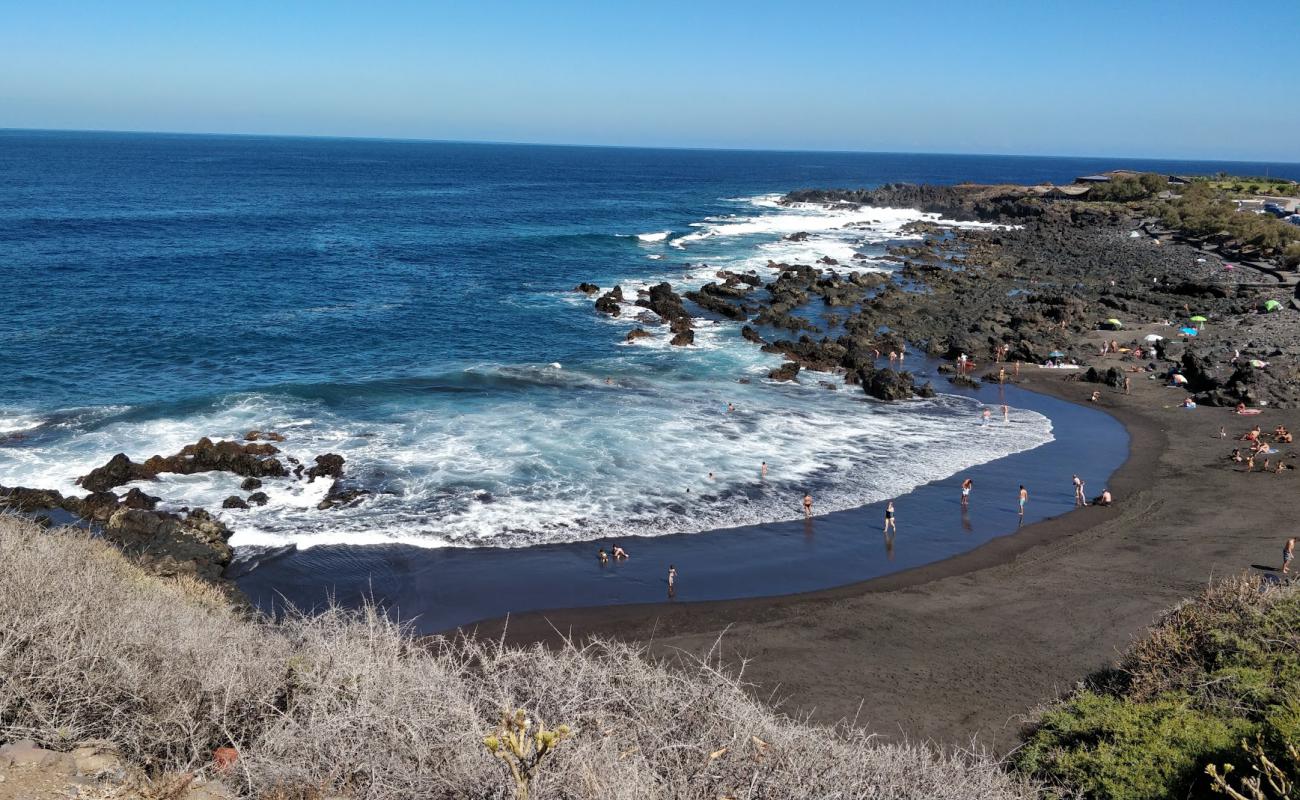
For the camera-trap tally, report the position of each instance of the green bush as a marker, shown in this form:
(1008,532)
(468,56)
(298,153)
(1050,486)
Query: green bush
(1210,674)
(1108,748)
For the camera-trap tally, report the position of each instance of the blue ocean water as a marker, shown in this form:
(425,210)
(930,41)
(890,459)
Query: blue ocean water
(409,305)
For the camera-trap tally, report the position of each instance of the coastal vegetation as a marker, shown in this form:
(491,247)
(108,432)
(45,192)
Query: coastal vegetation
(349,704)
(1206,703)
(1202,212)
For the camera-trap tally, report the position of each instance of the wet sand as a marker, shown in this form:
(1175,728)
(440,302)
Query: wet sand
(964,648)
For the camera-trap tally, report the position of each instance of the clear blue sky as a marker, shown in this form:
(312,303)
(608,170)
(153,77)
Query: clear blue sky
(1178,79)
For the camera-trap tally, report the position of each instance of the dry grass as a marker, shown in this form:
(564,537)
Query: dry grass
(348,703)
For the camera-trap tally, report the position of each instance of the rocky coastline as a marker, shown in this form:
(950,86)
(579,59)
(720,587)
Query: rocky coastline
(1043,272)
(188,541)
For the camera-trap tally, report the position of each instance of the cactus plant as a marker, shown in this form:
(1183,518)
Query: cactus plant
(523,753)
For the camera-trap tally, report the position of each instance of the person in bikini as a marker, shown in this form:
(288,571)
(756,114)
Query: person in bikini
(890,524)
(1288,553)
(966,486)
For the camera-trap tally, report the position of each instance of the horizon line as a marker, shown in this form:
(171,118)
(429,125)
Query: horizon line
(695,148)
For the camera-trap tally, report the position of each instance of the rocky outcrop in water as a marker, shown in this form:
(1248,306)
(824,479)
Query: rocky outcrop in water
(252,460)
(329,465)
(608,303)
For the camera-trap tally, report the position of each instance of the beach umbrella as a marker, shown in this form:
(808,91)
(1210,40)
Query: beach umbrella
(1153,337)
(1255,362)
(1180,379)
(1272,305)
(1199,318)
(1189,331)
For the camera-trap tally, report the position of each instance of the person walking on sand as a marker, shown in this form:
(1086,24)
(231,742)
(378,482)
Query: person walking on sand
(672,577)
(889,518)
(1288,553)
(1024,498)
(966,486)
(807,506)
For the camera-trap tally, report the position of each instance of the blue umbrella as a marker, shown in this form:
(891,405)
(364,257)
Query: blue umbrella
(1189,331)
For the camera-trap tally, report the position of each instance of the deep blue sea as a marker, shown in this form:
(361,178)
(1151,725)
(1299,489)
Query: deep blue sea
(409,305)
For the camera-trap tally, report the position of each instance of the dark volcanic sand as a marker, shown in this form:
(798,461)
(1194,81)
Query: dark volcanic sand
(966,647)
(438,589)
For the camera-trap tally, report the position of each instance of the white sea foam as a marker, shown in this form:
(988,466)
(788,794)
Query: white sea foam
(654,237)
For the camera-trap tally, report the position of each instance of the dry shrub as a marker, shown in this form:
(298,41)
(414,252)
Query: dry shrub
(348,703)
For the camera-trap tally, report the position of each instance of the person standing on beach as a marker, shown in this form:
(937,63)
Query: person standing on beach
(890,524)
(986,415)
(1288,553)
(807,506)
(1006,413)
(1024,498)
(966,486)
(672,577)
(762,471)
(1079,499)
(1128,384)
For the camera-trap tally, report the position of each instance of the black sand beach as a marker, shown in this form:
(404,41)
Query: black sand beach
(440,589)
(965,648)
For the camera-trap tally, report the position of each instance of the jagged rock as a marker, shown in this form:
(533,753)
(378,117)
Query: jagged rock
(234,501)
(888,384)
(134,498)
(250,484)
(751,335)
(785,372)
(166,544)
(800,236)
(339,495)
(608,302)
(24,500)
(255,460)
(925,390)
(258,498)
(270,436)
(587,288)
(683,338)
(1201,371)
(962,379)
(639,333)
(330,464)
(98,505)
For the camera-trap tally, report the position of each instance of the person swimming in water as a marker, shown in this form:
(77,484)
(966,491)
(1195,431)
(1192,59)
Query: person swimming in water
(603,556)
(619,553)
(807,505)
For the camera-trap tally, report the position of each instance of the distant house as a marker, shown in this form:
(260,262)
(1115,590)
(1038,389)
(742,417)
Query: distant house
(1093,179)
(1180,180)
